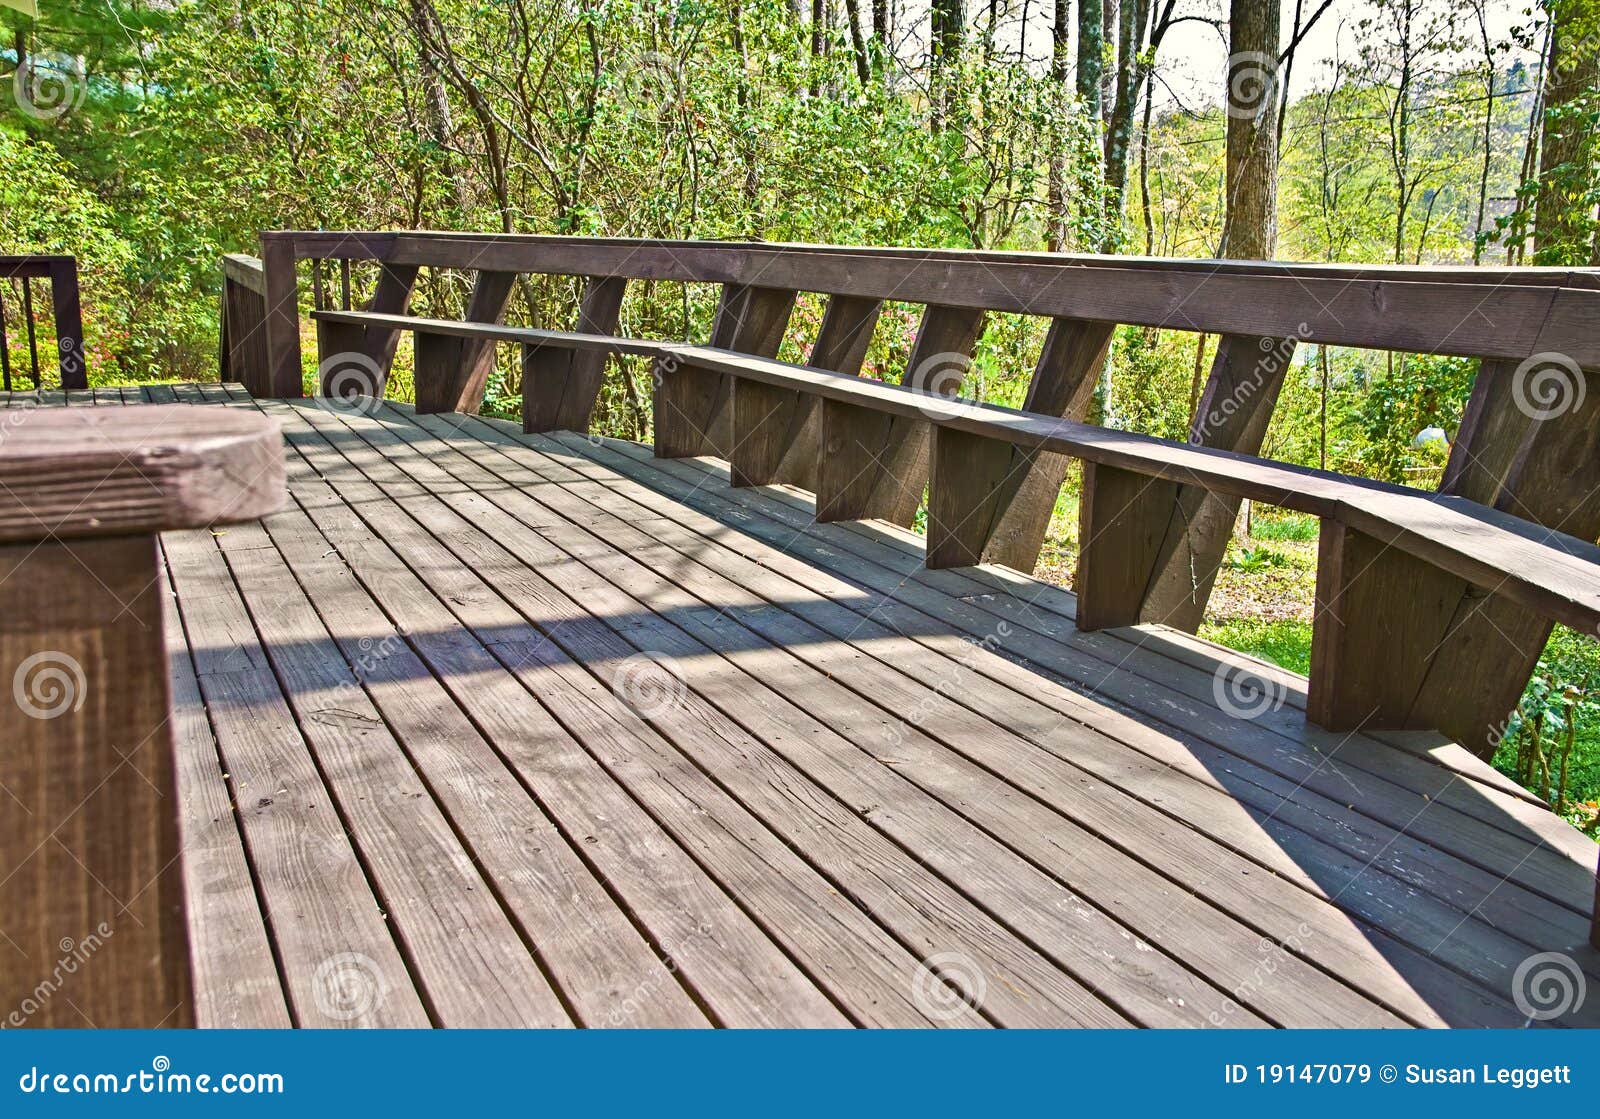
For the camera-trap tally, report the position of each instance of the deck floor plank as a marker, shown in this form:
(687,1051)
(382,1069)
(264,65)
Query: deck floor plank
(421,724)
(236,981)
(1343,948)
(732,965)
(1154,902)
(327,927)
(600,649)
(1456,814)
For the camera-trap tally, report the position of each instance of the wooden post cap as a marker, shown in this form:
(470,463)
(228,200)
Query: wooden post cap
(81,472)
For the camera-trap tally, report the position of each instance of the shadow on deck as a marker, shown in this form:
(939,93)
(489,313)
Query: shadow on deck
(500,729)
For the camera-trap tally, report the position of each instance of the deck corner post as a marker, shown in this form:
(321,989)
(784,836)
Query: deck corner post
(89,751)
(281,376)
(92,902)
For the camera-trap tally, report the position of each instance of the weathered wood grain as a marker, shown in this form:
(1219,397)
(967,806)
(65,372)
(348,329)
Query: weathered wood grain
(79,472)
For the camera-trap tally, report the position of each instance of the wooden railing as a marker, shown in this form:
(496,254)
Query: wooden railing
(65,349)
(243,337)
(91,892)
(1406,636)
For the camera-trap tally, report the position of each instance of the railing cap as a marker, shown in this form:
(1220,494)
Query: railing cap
(83,472)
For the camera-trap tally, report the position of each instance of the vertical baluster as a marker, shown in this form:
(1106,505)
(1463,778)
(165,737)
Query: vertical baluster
(33,338)
(344,285)
(5,343)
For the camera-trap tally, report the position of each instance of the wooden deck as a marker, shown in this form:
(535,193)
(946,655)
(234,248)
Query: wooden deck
(493,729)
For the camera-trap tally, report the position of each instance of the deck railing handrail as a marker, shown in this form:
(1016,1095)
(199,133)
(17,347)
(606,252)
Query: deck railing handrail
(1524,448)
(66,317)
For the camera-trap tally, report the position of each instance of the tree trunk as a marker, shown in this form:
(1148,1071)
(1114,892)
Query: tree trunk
(858,44)
(1056,197)
(1251,229)
(947,23)
(1564,223)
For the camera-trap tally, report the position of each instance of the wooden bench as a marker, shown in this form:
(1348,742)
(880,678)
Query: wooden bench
(565,365)
(1548,571)
(91,898)
(1453,657)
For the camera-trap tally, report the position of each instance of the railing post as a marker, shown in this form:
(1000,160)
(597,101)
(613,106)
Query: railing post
(91,895)
(281,325)
(452,373)
(750,320)
(841,347)
(1234,410)
(899,459)
(69,322)
(560,386)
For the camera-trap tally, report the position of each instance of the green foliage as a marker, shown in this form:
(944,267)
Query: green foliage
(1551,743)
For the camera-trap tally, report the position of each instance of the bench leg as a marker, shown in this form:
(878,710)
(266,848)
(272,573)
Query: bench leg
(91,901)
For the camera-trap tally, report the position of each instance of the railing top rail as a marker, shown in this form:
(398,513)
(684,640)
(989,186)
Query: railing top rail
(1508,314)
(88,472)
(365,244)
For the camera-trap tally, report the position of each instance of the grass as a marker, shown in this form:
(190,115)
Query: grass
(1286,643)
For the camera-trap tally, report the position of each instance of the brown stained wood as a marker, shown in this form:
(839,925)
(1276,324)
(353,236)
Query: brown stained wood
(1162,690)
(749,320)
(391,296)
(964,494)
(852,438)
(1490,312)
(939,362)
(91,903)
(235,978)
(279,372)
(841,346)
(1550,572)
(1369,645)
(1233,413)
(871,610)
(807,647)
(452,372)
(560,387)
(243,340)
(732,964)
(75,472)
(1544,470)
(1122,518)
(66,311)
(1063,385)
(341,966)
(760,432)
(343,368)
(682,399)
(434,896)
(436,372)
(1462,840)
(724,684)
